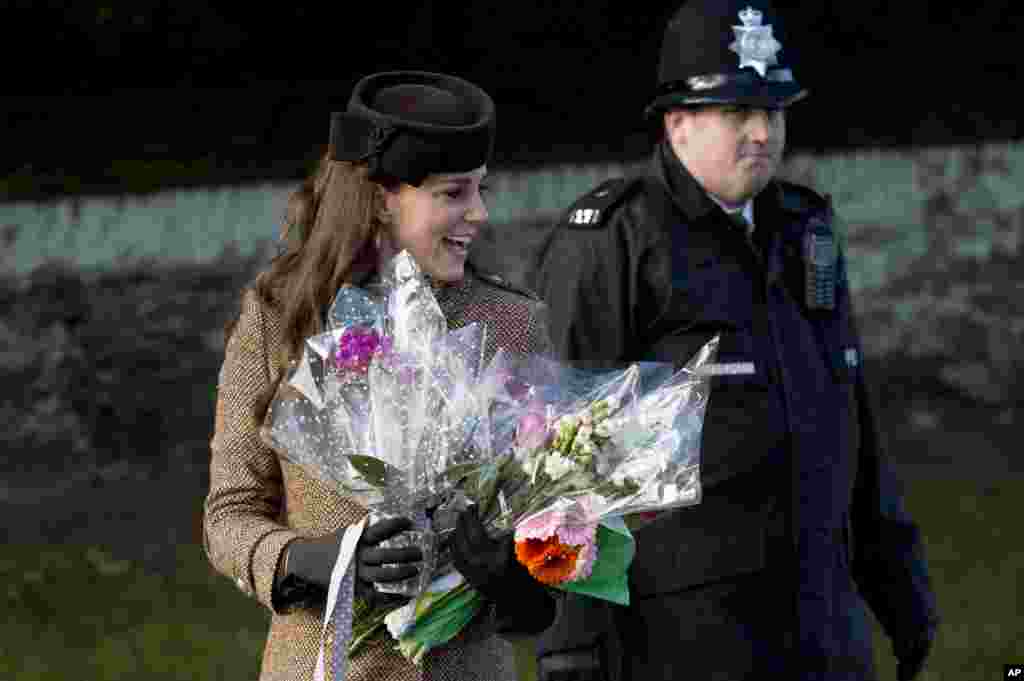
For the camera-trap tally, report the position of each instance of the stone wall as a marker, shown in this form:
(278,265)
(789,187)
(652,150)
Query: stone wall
(933,237)
(934,243)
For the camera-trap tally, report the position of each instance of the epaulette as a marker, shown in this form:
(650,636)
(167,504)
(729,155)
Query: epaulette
(504,283)
(589,211)
(797,198)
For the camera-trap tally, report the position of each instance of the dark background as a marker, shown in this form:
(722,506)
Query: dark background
(232,92)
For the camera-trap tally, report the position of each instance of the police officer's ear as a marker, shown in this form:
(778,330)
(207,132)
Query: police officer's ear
(676,124)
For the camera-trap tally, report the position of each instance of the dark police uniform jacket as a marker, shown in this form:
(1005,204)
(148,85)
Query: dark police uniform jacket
(800,521)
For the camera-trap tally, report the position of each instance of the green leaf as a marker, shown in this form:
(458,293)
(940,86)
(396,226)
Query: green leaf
(460,471)
(367,625)
(364,635)
(609,579)
(482,484)
(372,469)
(441,619)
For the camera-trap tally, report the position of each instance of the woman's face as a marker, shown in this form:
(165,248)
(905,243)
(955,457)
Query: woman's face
(437,221)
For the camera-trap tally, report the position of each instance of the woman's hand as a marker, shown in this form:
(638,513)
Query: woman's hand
(307,567)
(383,565)
(489,565)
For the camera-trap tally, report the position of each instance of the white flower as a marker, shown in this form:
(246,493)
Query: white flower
(563,421)
(532,465)
(583,446)
(613,403)
(556,466)
(400,621)
(585,432)
(603,430)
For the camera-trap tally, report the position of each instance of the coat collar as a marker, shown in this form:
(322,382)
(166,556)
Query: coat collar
(366,276)
(692,199)
(709,233)
(446,293)
(688,195)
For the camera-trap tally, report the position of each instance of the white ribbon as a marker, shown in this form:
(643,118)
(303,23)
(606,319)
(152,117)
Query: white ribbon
(726,369)
(340,612)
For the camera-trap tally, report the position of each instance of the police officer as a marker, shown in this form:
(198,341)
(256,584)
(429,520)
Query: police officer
(800,523)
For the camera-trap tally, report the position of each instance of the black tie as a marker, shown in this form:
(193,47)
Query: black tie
(737,218)
(757,240)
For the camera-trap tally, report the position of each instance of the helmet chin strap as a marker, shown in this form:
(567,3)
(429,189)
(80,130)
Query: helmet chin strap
(728,206)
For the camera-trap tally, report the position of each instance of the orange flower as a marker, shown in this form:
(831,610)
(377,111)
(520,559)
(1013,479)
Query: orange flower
(548,560)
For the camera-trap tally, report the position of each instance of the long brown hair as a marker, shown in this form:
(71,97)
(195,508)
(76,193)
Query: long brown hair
(330,231)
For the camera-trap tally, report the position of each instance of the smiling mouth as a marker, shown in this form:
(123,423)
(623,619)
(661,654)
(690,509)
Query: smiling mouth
(458,244)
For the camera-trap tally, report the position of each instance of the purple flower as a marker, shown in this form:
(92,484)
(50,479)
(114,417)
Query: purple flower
(516,387)
(356,348)
(532,431)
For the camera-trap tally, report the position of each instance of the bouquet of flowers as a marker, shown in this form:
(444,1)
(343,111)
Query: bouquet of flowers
(568,455)
(404,416)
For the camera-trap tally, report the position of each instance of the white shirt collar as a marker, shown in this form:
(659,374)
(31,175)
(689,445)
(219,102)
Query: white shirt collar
(748,211)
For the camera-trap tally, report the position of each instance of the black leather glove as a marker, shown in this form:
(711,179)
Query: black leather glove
(523,605)
(306,576)
(911,654)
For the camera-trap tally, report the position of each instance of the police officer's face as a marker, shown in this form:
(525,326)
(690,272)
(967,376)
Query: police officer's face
(437,221)
(733,151)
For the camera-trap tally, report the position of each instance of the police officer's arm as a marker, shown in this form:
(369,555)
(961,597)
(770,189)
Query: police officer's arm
(572,648)
(888,558)
(588,277)
(569,266)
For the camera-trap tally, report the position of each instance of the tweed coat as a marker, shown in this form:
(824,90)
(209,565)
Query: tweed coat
(258,502)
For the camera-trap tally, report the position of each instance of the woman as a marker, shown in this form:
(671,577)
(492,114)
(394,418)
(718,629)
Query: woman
(404,170)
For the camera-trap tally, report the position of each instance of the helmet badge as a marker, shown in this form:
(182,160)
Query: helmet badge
(754,43)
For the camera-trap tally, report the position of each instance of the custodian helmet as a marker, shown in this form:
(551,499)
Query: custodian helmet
(725,52)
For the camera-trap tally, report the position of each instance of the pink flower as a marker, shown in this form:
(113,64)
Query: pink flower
(532,429)
(568,525)
(585,559)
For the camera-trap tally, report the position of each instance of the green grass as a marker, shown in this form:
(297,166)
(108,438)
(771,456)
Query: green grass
(74,613)
(975,558)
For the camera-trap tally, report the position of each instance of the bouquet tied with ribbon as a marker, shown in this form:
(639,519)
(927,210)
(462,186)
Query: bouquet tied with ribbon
(405,417)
